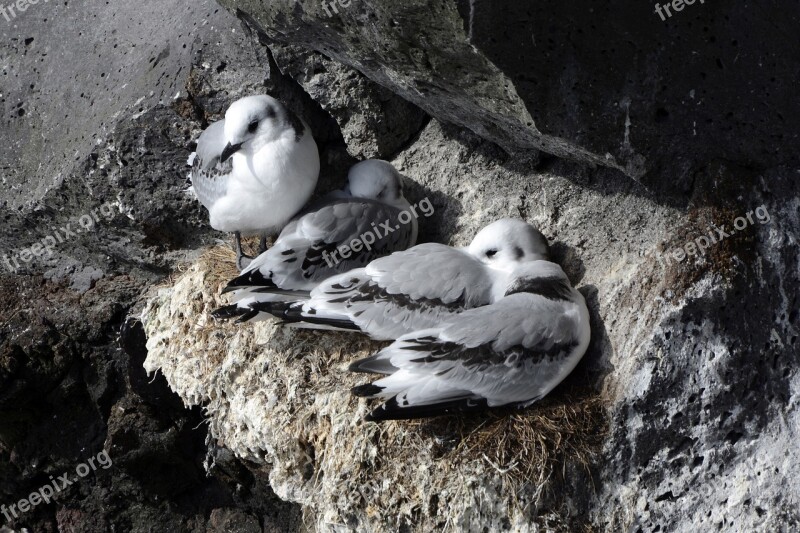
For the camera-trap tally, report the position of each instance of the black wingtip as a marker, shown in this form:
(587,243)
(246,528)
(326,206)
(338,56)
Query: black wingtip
(366,391)
(228,312)
(391,410)
(237,283)
(276,309)
(293,312)
(254,278)
(247,317)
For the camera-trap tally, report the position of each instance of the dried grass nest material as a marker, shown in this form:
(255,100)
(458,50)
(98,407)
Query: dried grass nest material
(299,417)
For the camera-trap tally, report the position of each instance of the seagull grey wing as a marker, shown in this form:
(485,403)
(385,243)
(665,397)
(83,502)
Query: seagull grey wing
(209,176)
(435,273)
(510,353)
(306,252)
(348,222)
(404,292)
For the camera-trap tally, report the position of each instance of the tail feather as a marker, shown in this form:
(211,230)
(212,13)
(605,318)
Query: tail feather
(297,295)
(366,391)
(292,312)
(375,364)
(252,278)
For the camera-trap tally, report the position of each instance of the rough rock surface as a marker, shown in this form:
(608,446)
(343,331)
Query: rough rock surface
(609,83)
(89,122)
(691,383)
(98,116)
(694,415)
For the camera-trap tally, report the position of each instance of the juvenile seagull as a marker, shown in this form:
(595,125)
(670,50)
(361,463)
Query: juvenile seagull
(308,250)
(510,353)
(419,288)
(255,169)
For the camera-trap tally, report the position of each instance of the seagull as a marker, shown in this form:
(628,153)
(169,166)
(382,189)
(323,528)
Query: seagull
(255,169)
(311,247)
(418,288)
(509,354)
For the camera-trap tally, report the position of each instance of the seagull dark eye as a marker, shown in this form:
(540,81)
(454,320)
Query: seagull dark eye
(491,253)
(253,126)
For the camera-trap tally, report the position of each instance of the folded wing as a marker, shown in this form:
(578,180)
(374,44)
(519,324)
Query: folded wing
(210,176)
(510,353)
(309,249)
(406,291)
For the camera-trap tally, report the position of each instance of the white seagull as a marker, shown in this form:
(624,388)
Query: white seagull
(255,169)
(507,354)
(370,216)
(419,288)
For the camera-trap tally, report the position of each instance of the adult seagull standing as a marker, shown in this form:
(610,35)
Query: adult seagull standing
(255,169)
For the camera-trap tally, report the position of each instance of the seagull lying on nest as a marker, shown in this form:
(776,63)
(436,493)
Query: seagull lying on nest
(255,169)
(305,253)
(419,288)
(510,353)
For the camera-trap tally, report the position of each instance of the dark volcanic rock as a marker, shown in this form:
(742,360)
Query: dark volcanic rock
(607,83)
(67,392)
(101,134)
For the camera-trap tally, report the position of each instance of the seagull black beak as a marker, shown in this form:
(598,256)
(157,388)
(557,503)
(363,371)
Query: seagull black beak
(229,150)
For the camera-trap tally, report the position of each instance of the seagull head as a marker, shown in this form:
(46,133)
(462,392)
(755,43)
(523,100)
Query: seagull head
(252,122)
(505,244)
(376,180)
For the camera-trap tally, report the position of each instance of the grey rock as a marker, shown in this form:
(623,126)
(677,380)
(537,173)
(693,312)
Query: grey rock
(97,112)
(694,360)
(85,279)
(227,520)
(374,122)
(609,83)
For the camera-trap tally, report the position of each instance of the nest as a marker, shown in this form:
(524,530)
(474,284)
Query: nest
(280,397)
